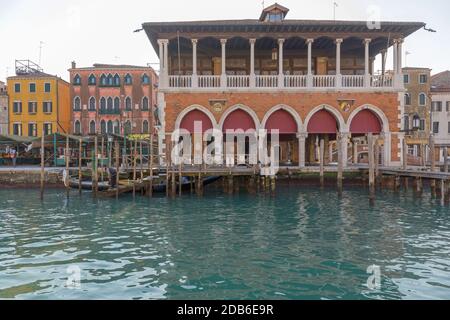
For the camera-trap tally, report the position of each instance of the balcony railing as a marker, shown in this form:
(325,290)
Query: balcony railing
(352,81)
(266,81)
(286,81)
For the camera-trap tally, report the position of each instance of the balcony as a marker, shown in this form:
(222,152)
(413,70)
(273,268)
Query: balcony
(285,82)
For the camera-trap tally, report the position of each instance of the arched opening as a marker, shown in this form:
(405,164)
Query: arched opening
(77,127)
(364,122)
(103,127)
(193,118)
(110,127)
(235,128)
(92,129)
(287,127)
(322,126)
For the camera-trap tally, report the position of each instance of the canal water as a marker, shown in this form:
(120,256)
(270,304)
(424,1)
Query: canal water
(303,243)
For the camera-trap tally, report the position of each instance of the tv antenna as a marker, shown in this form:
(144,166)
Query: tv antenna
(335,5)
(41,43)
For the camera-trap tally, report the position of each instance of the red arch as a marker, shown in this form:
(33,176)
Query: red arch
(191,117)
(322,122)
(238,119)
(365,122)
(283,121)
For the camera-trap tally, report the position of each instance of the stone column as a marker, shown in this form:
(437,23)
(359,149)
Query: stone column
(280,63)
(387,148)
(302,148)
(366,62)
(338,63)
(383,61)
(344,146)
(395,56)
(309,81)
(252,63)
(194,63)
(163,65)
(223,77)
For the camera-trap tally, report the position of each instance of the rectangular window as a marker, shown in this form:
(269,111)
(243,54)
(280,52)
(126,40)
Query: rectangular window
(422,124)
(47,107)
(47,87)
(17,87)
(32,130)
(447,106)
(436,106)
(435,127)
(17,129)
(48,130)
(423,78)
(406,78)
(32,87)
(32,107)
(17,107)
(449,127)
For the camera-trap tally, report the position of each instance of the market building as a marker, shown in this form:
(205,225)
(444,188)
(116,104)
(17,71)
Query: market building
(311,80)
(109,98)
(38,102)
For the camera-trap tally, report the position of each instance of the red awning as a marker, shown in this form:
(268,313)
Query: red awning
(193,116)
(322,122)
(283,121)
(238,119)
(365,122)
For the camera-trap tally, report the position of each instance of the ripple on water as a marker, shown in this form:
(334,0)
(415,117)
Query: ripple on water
(301,244)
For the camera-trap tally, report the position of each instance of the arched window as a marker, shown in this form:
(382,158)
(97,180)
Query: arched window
(116,127)
(102,104)
(92,128)
(406,123)
(407,99)
(77,80)
(103,127)
(92,81)
(109,105)
(103,80)
(110,126)
(127,127)
(116,104)
(145,79)
(91,104)
(77,104)
(128,79)
(116,80)
(77,127)
(110,80)
(422,99)
(145,104)
(128,106)
(145,126)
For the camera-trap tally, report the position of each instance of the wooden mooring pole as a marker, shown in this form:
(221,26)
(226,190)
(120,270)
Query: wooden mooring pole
(95,169)
(42,164)
(322,159)
(80,164)
(117,147)
(432,164)
(371,167)
(134,159)
(340,165)
(67,158)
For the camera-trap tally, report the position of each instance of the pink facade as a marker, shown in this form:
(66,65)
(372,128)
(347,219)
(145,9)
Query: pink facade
(116,99)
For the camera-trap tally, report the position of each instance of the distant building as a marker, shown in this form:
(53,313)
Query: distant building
(440,115)
(38,102)
(3,108)
(112,99)
(416,116)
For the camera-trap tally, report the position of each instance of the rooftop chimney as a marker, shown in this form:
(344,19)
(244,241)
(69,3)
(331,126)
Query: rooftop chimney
(74,64)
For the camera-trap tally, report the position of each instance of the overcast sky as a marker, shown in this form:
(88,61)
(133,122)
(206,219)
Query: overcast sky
(101,31)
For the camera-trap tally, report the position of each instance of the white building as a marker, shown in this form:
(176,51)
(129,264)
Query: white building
(440,109)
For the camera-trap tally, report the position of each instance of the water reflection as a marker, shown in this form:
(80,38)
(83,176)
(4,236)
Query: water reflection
(304,243)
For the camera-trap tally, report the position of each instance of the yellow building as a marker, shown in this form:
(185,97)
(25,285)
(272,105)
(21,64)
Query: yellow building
(38,102)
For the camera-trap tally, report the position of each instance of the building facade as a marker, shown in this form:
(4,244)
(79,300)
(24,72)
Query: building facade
(417,116)
(38,102)
(311,80)
(112,99)
(3,108)
(440,110)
